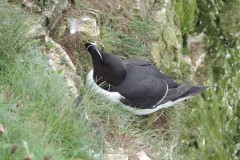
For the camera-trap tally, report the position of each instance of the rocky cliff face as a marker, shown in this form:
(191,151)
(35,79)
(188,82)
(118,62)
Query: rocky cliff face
(145,29)
(136,29)
(157,31)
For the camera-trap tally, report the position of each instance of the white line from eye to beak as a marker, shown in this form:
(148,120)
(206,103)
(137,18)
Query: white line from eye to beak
(96,50)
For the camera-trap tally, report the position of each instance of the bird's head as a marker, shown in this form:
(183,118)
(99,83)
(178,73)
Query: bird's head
(107,67)
(95,53)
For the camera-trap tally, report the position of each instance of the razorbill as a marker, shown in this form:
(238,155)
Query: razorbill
(137,84)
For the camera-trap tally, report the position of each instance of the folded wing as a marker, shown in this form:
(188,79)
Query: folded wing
(144,94)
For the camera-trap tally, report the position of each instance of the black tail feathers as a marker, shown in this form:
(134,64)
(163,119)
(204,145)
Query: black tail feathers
(183,91)
(194,90)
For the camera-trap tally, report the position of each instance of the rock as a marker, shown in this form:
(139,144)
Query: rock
(84,24)
(155,52)
(196,48)
(3,1)
(186,67)
(92,153)
(195,39)
(139,8)
(160,15)
(2,129)
(54,13)
(31,6)
(117,157)
(60,62)
(142,155)
(142,9)
(37,29)
(136,6)
(61,56)
(116,154)
(168,49)
(186,59)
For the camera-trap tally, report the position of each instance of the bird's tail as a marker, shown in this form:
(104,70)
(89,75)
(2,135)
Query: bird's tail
(194,90)
(183,92)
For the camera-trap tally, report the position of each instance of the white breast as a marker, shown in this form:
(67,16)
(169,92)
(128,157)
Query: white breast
(113,96)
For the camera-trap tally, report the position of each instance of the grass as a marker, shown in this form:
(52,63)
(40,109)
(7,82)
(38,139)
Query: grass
(210,131)
(133,42)
(129,41)
(37,110)
(123,33)
(204,128)
(217,117)
(211,128)
(35,105)
(45,3)
(186,11)
(10,47)
(119,126)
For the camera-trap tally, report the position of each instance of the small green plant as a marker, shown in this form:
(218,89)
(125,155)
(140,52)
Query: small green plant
(186,11)
(13,33)
(210,130)
(45,3)
(36,107)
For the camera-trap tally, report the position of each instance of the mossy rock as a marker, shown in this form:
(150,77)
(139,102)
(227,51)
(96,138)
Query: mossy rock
(168,50)
(219,19)
(229,20)
(186,9)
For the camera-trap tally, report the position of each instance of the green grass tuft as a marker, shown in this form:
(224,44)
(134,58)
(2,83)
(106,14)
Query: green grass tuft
(36,106)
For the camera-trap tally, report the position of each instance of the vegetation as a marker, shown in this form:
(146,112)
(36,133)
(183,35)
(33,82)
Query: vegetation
(211,128)
(36,111)
(38,117)
(186,11)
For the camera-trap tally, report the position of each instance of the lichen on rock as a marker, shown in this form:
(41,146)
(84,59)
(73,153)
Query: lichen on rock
(168,49)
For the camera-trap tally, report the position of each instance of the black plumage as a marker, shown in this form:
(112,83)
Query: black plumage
(140,84)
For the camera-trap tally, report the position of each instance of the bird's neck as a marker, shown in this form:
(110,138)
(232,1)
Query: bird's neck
(107,68)
(109,77)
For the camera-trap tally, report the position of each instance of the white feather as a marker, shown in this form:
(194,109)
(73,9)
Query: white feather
(73,25)
(113,96)
(161,106)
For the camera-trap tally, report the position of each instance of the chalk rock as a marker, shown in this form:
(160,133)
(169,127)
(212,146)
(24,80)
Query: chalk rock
(60,62)
(84,24)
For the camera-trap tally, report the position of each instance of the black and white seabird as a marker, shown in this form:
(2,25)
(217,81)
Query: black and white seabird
(137,84)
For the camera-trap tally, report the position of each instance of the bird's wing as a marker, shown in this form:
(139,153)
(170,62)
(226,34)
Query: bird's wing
(138,62)
(149,69)
(146,93)
(184,90)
